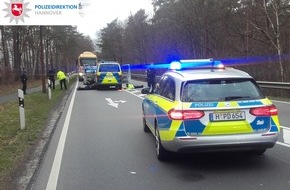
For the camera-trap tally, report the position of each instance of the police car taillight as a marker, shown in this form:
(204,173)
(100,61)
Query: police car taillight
(264,111)
(185,114)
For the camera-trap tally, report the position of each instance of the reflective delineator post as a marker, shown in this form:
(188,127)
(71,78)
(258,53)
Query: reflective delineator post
(67,78)
(129,74)
(21,109)
(49,89)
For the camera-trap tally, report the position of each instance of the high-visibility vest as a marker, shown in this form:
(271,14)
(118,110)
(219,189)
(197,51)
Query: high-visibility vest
(130,86)
(60,75)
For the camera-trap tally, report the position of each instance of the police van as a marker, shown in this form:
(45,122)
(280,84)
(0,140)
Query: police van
(109,74)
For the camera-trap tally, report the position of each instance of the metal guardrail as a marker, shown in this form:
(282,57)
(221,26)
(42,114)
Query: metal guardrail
(263,84)
(274,85)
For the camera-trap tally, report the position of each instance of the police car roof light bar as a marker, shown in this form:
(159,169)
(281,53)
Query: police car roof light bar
(196,64)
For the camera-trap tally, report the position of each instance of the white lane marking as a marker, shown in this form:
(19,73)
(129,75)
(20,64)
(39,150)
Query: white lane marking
(284,127)
(132,92)
(286,136)
(283,144)
(112,103)
(54,173)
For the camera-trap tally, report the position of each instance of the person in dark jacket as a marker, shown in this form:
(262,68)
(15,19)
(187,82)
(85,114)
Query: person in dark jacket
(151,75)
(24,78)
(51,77)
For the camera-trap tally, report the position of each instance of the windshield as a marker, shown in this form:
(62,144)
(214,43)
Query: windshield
(221,90)
(88,62)
(109,68)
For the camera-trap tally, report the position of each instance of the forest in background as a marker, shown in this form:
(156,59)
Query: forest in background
(21,47)
(255,34)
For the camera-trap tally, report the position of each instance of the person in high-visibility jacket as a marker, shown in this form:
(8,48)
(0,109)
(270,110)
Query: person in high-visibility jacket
(61,78)
(132,86)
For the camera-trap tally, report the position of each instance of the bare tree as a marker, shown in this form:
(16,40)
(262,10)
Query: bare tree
(272,10)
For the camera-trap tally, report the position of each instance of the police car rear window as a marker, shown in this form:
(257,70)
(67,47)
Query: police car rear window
(221,90)
(109,68)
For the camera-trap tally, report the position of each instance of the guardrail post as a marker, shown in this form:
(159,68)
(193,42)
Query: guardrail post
(21,109)
(49,89)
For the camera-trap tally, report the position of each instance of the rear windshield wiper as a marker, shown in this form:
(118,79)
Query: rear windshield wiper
(236,97)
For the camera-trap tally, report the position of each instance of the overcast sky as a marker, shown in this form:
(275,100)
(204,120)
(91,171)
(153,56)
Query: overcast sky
(97,13)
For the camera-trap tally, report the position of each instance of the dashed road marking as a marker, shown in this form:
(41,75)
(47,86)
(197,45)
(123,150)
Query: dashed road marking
(136,93)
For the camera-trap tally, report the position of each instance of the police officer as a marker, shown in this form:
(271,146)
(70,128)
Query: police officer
(61,78)
(132,86)
(51,77)
(24,78)
(151,74)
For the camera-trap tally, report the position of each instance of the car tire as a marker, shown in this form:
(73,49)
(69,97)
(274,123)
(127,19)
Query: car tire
(145,126)
(161,153)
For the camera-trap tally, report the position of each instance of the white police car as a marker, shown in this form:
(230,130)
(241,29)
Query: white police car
(210,108)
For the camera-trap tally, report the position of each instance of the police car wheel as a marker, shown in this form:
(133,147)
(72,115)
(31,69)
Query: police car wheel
(161,153)
(145,127)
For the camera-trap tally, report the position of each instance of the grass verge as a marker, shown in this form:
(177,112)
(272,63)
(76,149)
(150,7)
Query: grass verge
(16,144)
(12,87)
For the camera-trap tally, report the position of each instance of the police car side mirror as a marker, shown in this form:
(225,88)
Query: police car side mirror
(145,90)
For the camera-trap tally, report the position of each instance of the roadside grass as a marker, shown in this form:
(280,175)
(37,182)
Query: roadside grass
(16,144)
(12,87)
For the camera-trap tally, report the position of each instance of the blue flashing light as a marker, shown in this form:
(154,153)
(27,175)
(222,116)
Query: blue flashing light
(219,65)
(180,65)
(175,65)
(196,60)
(196,64)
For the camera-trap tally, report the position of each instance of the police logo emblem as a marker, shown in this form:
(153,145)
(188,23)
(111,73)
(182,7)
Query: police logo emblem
(16,9)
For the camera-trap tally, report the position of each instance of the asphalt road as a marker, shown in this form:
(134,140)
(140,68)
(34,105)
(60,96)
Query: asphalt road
(99,143)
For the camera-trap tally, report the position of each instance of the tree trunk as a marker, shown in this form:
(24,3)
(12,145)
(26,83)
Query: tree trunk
(42,61)
(17,53)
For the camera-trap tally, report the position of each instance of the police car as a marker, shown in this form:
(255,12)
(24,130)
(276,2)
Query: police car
(109,74)
(209,108)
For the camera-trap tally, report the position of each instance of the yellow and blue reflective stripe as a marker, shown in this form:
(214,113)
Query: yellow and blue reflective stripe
(169,129)
(275,125)
(109,77)
(227,104)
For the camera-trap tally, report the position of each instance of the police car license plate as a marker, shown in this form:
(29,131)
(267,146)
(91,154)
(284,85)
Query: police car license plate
(227,116)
